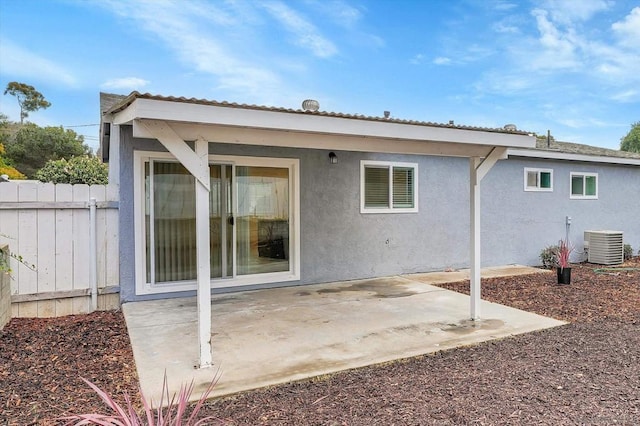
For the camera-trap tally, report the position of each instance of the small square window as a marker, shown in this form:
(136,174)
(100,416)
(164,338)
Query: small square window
(538,179)
(584,186)
(388,187)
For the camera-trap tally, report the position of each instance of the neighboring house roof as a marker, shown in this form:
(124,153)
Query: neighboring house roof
(553,149)
(576,148)
(109,100)
(125,101)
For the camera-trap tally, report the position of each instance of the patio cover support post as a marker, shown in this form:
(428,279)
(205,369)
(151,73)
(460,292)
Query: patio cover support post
(477,170)
(198,165)
(203,256)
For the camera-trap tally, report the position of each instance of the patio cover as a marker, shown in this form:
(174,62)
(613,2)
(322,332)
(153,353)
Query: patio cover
(173,121)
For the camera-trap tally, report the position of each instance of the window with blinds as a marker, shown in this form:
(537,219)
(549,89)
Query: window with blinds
(538,179)
(388,187)
(584,186)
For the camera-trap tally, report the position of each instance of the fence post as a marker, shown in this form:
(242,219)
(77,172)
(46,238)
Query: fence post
(93,265)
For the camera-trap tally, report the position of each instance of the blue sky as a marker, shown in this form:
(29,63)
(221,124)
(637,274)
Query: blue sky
(571,66)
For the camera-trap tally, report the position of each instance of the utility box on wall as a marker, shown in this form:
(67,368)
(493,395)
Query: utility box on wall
(604,247)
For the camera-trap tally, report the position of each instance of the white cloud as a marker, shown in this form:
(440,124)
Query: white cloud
(628,29)
(341,13)
(417,59)
(567,12)
(557,48)
(503,5)
(128,83)
(20,62)
(627,96)
(305,33)
(497,81)
(442,60)
(192,31)
(504,28)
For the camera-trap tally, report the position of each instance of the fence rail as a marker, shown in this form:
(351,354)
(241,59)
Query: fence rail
(49,226)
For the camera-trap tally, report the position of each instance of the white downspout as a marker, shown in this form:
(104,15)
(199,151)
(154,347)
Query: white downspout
(93,261)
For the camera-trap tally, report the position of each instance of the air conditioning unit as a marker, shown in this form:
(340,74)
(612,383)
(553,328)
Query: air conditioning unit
(604,247)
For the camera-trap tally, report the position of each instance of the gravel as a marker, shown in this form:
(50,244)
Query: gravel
(583,373)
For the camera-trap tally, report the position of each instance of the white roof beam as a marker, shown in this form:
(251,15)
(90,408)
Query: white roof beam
(196,163)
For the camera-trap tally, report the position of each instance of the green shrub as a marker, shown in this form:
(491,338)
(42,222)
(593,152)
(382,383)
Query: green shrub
(628,252)
(87,170)
(548,256)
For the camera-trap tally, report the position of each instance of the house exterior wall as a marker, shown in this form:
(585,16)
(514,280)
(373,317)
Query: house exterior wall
(517,224)
(340,243)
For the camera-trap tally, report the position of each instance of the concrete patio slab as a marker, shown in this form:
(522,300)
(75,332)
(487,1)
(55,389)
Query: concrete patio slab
(266,337)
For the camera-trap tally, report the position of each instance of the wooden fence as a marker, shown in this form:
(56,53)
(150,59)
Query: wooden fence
(49,227)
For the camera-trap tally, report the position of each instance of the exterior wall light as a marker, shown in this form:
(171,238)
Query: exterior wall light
(333,158)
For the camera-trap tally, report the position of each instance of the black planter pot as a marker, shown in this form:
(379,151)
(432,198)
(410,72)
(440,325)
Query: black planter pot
(564,275)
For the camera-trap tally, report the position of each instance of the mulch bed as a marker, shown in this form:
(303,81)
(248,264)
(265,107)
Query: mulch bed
(587,372)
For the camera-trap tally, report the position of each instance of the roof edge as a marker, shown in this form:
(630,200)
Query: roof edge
(568,156)
(129,99)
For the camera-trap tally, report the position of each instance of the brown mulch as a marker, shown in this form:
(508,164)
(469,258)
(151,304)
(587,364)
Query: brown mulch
(587,372)
(42,360)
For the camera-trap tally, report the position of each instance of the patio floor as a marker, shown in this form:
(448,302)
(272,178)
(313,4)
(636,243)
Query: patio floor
(266,337)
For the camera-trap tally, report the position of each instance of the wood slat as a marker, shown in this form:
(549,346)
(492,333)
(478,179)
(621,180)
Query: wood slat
(49,226)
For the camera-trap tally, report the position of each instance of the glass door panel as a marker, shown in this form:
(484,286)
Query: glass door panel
(216,220)
(221,220)
(171,223)
(262,220)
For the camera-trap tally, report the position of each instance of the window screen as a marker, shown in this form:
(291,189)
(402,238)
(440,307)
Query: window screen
(388,187)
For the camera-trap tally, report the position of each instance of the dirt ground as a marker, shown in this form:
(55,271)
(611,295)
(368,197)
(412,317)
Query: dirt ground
(584,373)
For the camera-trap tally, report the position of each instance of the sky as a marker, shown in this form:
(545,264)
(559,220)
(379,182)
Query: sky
(568,66)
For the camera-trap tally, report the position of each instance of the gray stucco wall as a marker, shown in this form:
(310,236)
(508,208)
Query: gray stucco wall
(340,243)
(517,224)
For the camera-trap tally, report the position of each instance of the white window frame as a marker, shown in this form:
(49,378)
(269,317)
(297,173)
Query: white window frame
(293,274)
(527,170)
(583,196)
(390,165)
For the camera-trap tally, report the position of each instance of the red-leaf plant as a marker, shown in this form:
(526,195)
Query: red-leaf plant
(563,253)
(172,415)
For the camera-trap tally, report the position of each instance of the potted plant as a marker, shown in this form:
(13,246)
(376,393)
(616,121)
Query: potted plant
(562,254)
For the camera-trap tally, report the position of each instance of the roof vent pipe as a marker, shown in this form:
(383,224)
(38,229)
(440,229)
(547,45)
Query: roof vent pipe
(310,105)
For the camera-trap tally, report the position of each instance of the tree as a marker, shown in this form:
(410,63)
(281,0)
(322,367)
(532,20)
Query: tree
(631,142)
(28,97)
(32,146)
(85,169)
(5,163)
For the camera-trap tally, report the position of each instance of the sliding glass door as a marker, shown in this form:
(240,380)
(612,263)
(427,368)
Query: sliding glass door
(263,220)
(249,222)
